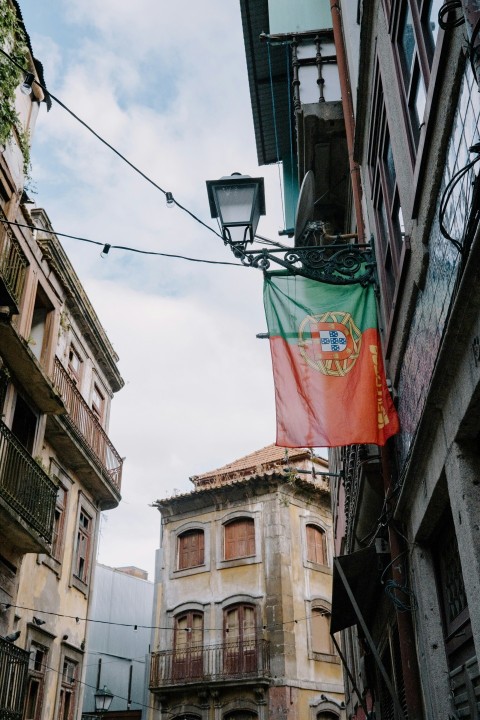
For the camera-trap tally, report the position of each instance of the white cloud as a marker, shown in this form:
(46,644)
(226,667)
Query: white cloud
(166,84)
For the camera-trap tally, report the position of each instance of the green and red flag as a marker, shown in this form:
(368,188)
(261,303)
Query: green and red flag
(330,386)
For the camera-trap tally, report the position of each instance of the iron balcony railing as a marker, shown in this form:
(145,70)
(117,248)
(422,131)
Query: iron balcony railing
(13,680)
(25,486)
(210,663)
(13,263)
(88,426)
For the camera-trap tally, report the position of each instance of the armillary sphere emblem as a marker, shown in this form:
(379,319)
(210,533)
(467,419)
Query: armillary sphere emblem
(330,342)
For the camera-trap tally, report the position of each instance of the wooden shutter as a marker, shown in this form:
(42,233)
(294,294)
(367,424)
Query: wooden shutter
(316,545)
(239,538)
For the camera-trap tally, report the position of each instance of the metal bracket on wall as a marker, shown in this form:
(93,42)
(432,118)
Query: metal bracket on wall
(332,264)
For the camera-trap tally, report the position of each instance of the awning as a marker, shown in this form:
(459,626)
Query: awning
(356,591)
(363,572)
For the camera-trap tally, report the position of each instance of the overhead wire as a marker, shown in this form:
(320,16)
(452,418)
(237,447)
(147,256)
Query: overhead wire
(110,147)
(107,246)
(139,626)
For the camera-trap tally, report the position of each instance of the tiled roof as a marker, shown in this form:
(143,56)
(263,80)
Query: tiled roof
(254,463)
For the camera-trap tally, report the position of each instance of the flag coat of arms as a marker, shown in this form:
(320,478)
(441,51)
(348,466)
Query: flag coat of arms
(330,387)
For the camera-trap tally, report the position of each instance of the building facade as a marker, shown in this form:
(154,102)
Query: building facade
(119,641)
(243,587)
(58,468)
(405,516)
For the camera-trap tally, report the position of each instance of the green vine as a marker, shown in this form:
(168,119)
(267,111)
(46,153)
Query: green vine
(12,40)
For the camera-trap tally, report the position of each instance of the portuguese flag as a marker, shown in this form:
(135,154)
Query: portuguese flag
(330,386)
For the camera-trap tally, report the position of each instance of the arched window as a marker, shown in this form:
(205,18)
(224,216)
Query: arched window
(320,631)
(188,645)
(316,545)
(190,549)
(240,656)
(239,539)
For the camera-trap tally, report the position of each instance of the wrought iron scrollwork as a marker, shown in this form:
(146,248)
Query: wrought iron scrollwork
(333,264)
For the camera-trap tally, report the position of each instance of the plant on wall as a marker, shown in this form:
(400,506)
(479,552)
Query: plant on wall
(12,39)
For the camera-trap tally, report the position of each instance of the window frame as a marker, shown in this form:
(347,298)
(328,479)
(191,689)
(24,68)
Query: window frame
(231,528)
(322,526)
(322,607)
(66,688)
(422,66)
(392,244)
(76,375)
(36,677)
(200,549)
(187,660)
(241,653)
(82,583)
(319,531)
(221,522)
(98,409)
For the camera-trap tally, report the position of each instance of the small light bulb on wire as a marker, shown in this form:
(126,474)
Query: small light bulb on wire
(169,199)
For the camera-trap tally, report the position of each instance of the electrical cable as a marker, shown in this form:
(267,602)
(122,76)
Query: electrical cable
(447,194)
(110,147)
(137,626)
(117,697)
(447,7)
(107,247)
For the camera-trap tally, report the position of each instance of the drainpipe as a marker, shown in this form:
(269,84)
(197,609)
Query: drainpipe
(348,115)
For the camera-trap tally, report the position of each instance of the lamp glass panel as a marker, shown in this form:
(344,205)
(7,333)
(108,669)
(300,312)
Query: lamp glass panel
(234,203)
(237,233)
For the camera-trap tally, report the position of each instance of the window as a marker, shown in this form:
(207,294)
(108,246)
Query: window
(98,403)
(24,424)
(415,33)
(68,690)
(239,539)
(83,546)
(40,338)
(36,681)
(453,599)
(59,523)
(188,645)
(74,364)
(191,549)
(320,629)
(316,545)
(240,655)
(391,244)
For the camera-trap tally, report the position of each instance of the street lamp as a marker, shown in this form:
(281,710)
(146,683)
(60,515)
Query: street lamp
(103,700)
(237,201)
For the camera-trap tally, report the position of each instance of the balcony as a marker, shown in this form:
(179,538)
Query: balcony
(13,678)
(218,663)
(85,443)
(13,269)
(27,496)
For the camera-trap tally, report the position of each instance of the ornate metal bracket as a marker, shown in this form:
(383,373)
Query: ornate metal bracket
(333,264)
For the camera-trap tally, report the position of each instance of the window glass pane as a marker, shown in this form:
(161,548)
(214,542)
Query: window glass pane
(390,167)
(407,42)
(420,100)
(432,19)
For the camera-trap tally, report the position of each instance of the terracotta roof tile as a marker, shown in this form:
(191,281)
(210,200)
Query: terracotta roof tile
(255,463)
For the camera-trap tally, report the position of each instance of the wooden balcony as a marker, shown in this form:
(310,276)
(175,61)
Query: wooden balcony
(13,268)
(13,680)
(219,663)
(27,496)
(89,438)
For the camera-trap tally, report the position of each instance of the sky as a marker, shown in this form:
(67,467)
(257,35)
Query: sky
(166,84)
